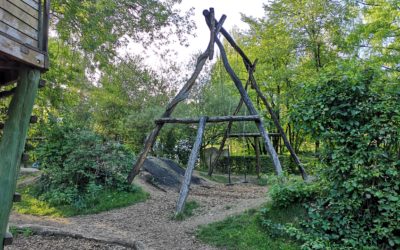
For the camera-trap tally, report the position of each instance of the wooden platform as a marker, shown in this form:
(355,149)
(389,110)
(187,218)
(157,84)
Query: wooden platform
(23,36)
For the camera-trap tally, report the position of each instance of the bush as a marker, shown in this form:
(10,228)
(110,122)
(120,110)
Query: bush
(78,164)
(359,128)
(293,190)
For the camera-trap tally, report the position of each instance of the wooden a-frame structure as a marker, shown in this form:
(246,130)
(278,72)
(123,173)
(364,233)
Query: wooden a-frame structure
(215,28)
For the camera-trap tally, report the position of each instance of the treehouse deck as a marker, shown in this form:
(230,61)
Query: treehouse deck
(23,36)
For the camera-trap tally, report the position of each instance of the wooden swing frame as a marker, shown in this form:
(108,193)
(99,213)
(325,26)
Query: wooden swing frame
(215,28)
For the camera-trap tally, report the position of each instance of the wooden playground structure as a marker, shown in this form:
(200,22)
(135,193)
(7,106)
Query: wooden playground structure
(23,56)
(215,29)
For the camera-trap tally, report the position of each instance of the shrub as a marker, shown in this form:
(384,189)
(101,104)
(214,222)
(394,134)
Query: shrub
(359,128)
(78,164)
(293,190)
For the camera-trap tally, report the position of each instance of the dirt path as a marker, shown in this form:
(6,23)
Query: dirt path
(146,225)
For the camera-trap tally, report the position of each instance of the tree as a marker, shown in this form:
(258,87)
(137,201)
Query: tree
(98,28)
(127,99)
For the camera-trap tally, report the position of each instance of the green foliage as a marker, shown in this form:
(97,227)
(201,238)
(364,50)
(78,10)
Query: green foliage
(360,127)
(286,191)
(102,201)
(77,164)
(188,211)
(26,232)
(242,232)
(100,27)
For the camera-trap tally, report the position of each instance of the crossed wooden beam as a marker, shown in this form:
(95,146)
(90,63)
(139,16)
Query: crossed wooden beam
(215,28)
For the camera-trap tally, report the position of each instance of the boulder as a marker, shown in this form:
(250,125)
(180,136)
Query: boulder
(166,172)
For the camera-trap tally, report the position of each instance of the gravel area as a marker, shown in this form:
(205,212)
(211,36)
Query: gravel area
(149,223)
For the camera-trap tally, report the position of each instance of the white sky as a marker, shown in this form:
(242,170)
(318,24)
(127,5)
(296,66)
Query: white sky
(231,8)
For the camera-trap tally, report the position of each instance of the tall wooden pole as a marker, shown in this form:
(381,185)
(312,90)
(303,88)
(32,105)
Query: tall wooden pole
(250,107)
(13,141)
(183,194)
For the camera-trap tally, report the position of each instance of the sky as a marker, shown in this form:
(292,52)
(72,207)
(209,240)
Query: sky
(231,8)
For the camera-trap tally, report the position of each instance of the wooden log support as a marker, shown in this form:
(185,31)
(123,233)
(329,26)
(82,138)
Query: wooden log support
(194,154)
(258,161)
(13,141)
(252,110)
(240,135)
(212,34)
(182,95)
(250,68)
(215,119)
(225,137)
(7,93)
(293,154)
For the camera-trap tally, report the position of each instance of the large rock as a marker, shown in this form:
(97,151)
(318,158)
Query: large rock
(167,173)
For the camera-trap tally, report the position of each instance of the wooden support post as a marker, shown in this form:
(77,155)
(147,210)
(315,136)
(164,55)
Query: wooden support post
(250,68)
(182,95)
(13,141)
(258,163)
(190,166)
(252,110)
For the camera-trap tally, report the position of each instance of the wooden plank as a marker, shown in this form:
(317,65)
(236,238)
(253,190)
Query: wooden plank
(19,14)
(20,52)
(18,24)
(12,142)
(214,119)
(17,34)
(194,154)
(32,3)
(25,7)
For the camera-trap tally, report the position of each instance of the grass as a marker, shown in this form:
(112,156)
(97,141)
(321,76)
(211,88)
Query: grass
(26,232)
(187,211)
(245,232)
(105,200)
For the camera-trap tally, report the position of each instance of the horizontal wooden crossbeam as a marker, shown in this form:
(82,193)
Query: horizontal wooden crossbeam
(214,119)
(239,135)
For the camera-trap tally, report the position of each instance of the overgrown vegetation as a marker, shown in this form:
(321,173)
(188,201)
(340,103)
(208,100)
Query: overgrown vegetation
(82,173)
(355,204)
